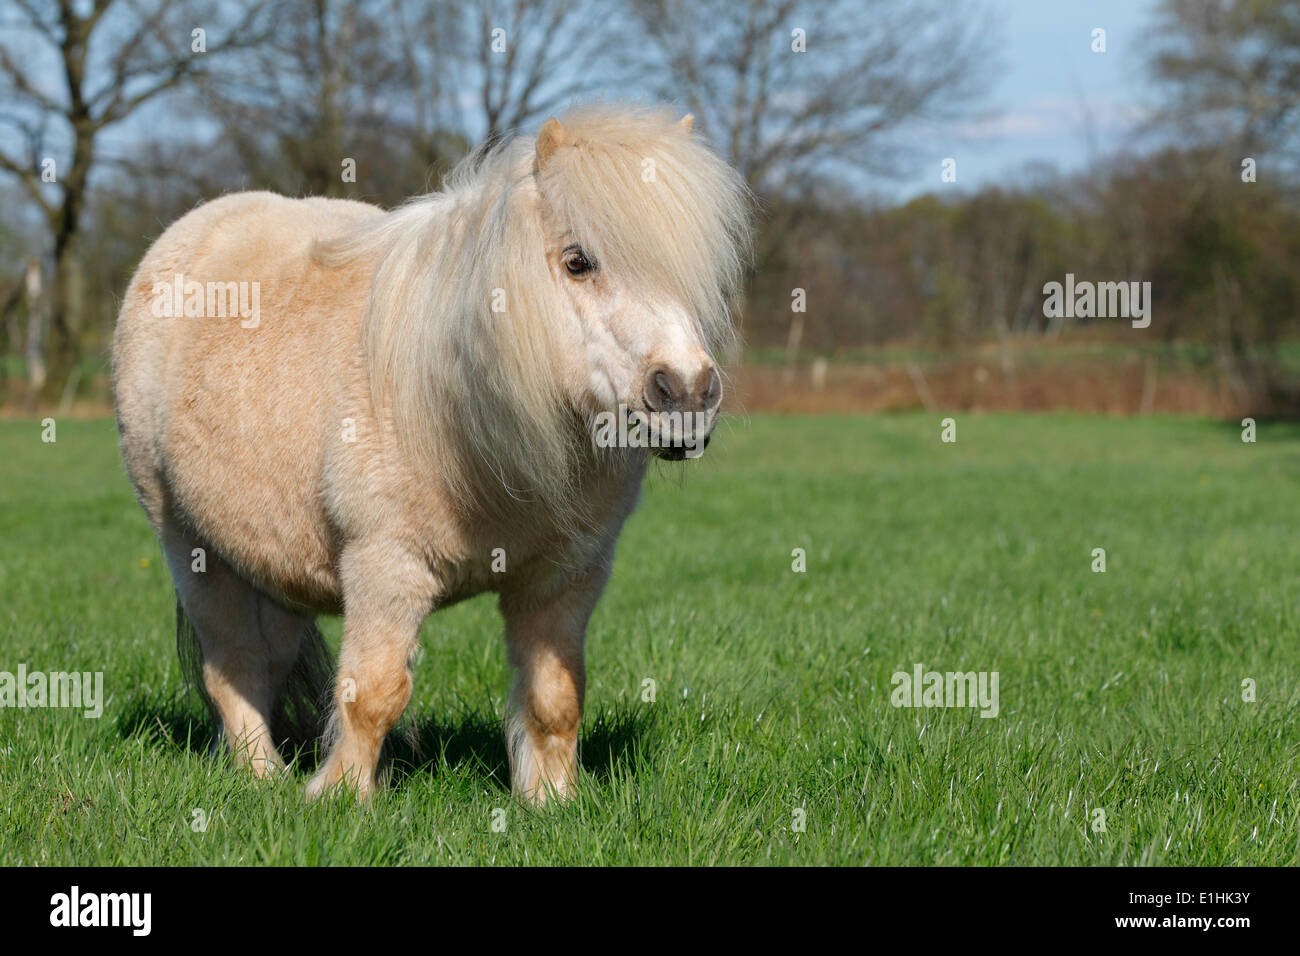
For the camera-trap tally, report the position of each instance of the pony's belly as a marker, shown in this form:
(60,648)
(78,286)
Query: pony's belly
(277,552)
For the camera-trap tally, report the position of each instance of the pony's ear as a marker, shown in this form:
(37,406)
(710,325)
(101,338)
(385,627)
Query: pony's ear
(551,138)
(687,122)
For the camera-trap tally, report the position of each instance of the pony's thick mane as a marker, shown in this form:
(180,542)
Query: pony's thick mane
(461,332)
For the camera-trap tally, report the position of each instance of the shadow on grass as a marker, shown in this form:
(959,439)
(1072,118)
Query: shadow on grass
(616,737)
(180,722)
(176,721)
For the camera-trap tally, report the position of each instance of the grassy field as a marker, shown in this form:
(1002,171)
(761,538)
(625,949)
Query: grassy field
(1119,692)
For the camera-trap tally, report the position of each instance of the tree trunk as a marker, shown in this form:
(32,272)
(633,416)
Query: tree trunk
(63,349)
(64,346)
(34,340)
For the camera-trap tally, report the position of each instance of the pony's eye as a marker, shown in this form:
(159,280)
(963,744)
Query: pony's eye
(576,261)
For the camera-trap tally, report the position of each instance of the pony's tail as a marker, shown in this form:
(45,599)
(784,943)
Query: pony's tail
(190,653)
(304,705)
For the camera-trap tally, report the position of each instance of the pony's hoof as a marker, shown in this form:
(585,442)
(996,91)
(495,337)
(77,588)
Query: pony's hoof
(260,760)
(548,792)
(331,782)
(320,787)
(268,772)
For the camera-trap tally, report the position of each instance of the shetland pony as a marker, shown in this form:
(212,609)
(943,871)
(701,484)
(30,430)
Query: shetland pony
(407,420)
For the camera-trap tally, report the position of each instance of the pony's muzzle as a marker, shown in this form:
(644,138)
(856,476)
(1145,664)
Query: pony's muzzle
(682,410)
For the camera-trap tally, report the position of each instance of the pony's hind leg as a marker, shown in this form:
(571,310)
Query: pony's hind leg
(248,645)
(387,594)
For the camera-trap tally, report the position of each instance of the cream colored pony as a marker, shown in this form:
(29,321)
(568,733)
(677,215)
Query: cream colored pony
(326,408)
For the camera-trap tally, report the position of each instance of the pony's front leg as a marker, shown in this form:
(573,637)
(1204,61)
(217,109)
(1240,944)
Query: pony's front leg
(544,639)
(386,597)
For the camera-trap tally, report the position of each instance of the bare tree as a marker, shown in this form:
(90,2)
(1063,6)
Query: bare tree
(321,89)
(401,86)
(789,89)
(1232,69)
(489,68)
(68,71)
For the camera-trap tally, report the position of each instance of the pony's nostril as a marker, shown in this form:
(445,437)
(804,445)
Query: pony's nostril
(664,385)
(663,392)
(709,386)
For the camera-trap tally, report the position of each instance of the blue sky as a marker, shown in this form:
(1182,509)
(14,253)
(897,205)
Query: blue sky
(1054,100)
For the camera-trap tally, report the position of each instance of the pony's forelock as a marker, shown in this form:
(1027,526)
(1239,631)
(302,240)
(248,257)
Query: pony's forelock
(655,205)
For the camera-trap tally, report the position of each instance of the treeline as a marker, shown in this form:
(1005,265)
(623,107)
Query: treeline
(1218,243)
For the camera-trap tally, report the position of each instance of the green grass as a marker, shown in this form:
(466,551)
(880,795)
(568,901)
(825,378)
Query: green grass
(1119,691)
